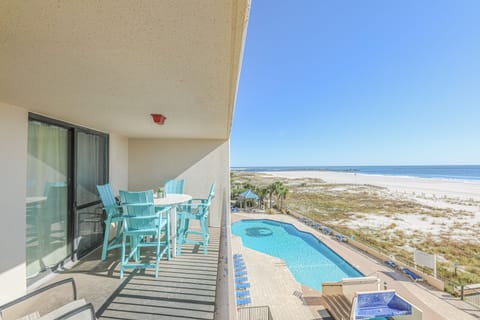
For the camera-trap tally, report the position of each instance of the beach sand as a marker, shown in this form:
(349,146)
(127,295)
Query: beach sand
(451,188)
(462,196)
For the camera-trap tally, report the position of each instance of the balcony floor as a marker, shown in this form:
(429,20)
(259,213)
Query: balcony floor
(184,289)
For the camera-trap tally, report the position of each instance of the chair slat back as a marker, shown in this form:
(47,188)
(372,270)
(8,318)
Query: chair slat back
(108,198)
(205,208)
(139,204)
(211,195)
(174,186)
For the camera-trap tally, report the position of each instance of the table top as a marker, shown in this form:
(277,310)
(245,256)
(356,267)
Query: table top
(171,199)
(34,200)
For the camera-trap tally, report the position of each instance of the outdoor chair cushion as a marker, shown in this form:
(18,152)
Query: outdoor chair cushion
(63,310)
(33,316)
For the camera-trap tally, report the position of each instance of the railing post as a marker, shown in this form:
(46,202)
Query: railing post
(461,291)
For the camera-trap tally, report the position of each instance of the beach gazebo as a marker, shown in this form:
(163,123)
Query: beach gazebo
(247,196)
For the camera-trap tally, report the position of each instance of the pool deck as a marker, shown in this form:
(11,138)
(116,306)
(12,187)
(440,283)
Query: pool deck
(274,285)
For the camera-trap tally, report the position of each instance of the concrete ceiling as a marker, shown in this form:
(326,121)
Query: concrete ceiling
(109,64)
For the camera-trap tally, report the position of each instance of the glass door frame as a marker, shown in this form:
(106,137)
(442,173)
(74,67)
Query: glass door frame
(72,208)
(75,206)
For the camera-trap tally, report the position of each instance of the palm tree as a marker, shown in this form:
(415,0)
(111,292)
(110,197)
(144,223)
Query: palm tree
(270,190)
(282,194)
(277,190)
(273,189)
(261,192)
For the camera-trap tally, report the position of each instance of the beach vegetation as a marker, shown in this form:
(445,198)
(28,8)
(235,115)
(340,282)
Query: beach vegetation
(372,215)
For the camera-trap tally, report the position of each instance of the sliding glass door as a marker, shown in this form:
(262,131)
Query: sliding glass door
(91,170)
(64,218)
(47,207)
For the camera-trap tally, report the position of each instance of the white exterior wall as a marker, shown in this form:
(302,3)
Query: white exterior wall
(200,162)
(13,173)
(118,162)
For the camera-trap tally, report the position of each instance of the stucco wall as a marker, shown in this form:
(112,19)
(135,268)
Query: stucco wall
(200,162)
(118,162)
(13,173)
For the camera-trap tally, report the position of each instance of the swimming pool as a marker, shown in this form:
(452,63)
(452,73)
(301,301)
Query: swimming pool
(310,260)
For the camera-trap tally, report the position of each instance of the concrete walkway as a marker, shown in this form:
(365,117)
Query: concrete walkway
(435,304)
(272,284)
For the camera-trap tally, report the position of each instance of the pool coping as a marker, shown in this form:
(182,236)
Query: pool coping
(287,305)
(430,300)
(308,233)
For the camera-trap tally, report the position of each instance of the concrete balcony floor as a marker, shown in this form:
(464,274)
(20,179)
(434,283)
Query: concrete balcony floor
(185,287)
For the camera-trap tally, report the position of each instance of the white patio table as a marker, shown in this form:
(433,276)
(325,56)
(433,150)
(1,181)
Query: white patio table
(172,200)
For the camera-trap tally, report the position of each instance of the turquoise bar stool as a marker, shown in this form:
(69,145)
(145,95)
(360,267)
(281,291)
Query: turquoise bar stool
(195,209)
(114,215)
(174,186)
(143,226)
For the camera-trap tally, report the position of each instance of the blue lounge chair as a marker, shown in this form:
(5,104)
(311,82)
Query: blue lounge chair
(237,255)
(239,264)
(242,302)
(240,273)
(242,293)
(391,264)
(240,268)
(242,285)
(415,277)
(327,230)
(241,280)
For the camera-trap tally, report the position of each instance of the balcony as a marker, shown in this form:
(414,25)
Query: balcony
(106,67)
(185,288)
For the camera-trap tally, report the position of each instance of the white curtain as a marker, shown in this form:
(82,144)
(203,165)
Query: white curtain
(47,194)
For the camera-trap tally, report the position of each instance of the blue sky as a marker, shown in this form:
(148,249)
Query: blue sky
(359,83)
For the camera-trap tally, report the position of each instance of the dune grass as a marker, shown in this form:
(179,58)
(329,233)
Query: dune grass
(335,205)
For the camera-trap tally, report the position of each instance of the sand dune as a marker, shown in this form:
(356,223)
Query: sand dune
(428,187)
(463,196)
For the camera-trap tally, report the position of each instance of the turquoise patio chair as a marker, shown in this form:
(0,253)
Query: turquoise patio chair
(174,186)
(114,215)
(195,209)
(144,225)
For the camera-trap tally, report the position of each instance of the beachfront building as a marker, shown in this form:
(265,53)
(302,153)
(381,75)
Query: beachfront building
(78,84)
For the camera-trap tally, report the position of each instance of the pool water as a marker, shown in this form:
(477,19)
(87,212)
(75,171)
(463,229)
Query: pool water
(310,260)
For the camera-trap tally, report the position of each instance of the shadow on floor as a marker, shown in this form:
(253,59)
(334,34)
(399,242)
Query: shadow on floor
(185,287)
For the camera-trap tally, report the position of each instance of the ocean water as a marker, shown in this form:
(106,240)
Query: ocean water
(464,172)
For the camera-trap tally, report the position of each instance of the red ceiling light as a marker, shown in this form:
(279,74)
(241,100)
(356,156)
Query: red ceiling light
(158,118)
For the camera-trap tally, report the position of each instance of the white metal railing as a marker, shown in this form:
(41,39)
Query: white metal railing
(225,295)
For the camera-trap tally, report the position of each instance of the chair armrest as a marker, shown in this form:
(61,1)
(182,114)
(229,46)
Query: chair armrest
(112,207)
(156,216)
(194,205)
(138,205)
(162,209)
(26,305)
(85,312)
